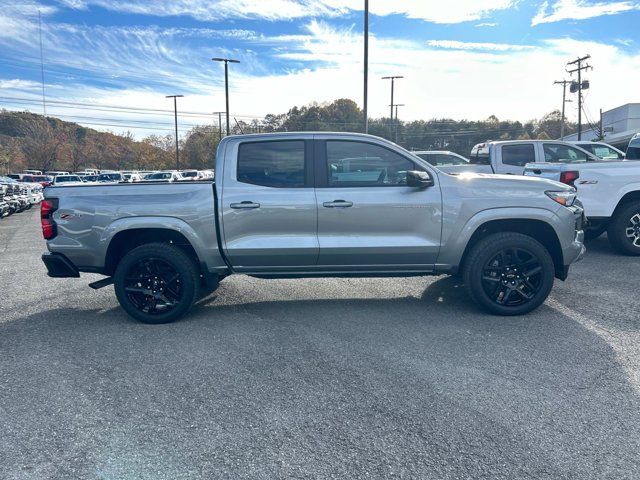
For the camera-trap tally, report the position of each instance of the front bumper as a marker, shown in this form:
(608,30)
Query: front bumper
(59,266)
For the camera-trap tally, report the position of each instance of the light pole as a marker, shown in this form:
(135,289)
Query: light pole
(226,81)
(366,66)
(175,114)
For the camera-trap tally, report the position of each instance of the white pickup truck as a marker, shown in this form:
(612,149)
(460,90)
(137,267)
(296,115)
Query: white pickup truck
(610,193)
(510,156)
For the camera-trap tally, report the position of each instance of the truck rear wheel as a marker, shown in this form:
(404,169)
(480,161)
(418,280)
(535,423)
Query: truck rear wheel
(509,273)
(624,229)
(156,283)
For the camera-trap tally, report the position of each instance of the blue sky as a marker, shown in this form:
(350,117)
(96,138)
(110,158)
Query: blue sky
(460,58)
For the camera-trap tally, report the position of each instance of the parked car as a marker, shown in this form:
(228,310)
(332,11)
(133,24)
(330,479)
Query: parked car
(610,192)
(67,180)
(14,196)
(633,150)
(55,173)
(441,158)
(131,177)
(510,156)
(190,175)
(90,178)
(43,180)
(601,150)
(32,172)
(166,177)
(4,206)
(111,177)
(288,205)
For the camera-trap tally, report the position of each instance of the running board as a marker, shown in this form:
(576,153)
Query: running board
(105,282)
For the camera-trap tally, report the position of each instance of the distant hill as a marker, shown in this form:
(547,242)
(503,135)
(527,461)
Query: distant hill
(29,140)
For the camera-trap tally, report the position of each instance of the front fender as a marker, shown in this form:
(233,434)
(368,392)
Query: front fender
(453,247)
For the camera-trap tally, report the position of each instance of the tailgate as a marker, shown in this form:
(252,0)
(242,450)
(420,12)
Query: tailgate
(550,171)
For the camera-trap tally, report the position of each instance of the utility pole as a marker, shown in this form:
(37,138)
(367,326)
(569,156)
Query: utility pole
(600,128)
(219,124)
(366,66)
(580,67)
(564,84)
(175,113)
(396,123)
(392,78)
(226,61)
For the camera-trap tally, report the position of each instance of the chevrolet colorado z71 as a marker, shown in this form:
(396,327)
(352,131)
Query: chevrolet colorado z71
(315,205)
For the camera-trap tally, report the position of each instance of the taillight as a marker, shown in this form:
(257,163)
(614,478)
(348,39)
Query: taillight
(47,207)
(569,177)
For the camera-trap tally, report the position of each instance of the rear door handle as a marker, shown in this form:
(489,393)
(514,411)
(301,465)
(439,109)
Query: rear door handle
(338,204)
(245,204)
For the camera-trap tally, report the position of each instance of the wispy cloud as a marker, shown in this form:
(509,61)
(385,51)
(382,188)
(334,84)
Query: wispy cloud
(560,10)
(487,46)
(452,11)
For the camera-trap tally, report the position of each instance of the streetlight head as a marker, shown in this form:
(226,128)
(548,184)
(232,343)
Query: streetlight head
(216,59)
(173,96)
(233,61)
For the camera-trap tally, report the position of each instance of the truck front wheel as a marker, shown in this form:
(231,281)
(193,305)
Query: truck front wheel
(156,283)
(624,229)
(509,273)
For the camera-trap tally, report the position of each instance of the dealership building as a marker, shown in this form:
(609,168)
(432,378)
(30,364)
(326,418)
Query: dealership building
(619,125)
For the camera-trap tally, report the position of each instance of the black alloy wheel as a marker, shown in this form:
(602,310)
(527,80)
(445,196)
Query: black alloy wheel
(157,282)
(509,273)
(153,286)
(512,277)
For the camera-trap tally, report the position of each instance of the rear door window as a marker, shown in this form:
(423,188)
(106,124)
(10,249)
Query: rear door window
(518,155)
(279,164)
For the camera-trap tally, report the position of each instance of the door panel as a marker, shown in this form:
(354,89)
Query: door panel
(270,217)
(367,216)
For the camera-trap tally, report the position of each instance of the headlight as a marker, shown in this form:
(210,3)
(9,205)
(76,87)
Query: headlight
(565,198)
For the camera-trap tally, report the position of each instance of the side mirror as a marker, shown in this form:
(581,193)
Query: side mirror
(417,178)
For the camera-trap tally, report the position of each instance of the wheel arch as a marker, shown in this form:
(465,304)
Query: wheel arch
(126,240)
(538,229)
(631,196)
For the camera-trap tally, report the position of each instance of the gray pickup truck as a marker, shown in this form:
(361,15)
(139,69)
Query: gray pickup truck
(315,205)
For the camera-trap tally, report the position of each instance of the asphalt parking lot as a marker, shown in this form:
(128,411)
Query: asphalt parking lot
(364,378)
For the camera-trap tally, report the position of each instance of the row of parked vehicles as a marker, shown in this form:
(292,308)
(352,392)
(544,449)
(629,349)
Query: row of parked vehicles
(94,177)
(17,196)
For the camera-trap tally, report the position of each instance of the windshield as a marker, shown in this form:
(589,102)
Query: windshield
(89,178)
(190,174)
(110,177)
(68,178)
(159,176)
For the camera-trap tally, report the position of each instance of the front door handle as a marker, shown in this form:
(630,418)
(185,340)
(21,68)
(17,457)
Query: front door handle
(338,204)
(245,204)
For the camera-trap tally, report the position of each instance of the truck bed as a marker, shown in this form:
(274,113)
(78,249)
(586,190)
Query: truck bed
(92,215)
